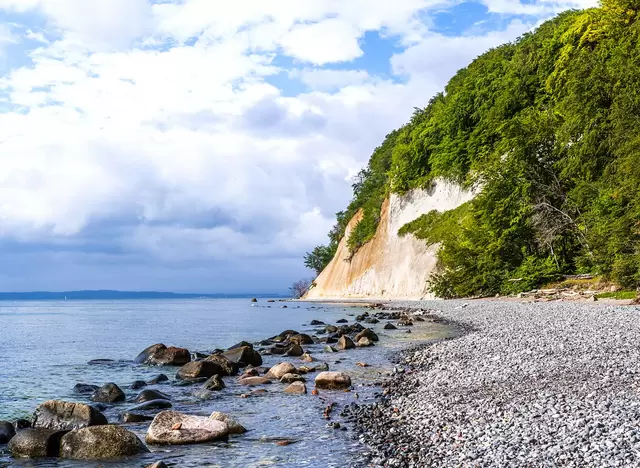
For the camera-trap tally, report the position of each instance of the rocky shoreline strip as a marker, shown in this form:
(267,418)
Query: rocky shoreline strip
(547,384)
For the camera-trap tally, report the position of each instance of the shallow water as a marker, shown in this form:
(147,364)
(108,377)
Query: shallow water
(45,347)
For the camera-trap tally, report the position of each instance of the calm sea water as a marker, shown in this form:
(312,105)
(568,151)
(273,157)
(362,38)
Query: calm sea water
(45,348)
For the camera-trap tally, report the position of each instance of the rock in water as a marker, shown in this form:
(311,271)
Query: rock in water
(7,431)
(333,381)
(277,371)
(215,383)
(229,367)
(244,356)
(290,378)
(296,388)
(301,339)
(36,442)
(157,465)
(98,442)
(390,326)
(367,333)
(65,416)
(193,429)
(195,370)
(149,395)
(130,417)
(253,381)
(364,342)
(85,389)
(138,384)
(152,405)
(345,343)
(158,379)
(234,426)
(109,393)
(294,350)
(160,355)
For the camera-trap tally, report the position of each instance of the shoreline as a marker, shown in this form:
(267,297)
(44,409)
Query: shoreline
(524,385)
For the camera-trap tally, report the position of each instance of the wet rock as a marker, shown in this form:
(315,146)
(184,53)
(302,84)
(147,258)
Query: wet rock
(253,381)
(189,382)
(138,384)
(132,417)
(190,429)
(85,389)
(330,329)
(198,369)
(364,342)
(306,357)
(316,322)
(301,339)
(255,299)
(36,442)
(240,345)
(108,393)
(250,373)
(100,362)
(390,326)
(65,416)
(296,388)
(7,431)
(330,349)
(20,424)
(244,356)
(157,465)
(152,405)
(100,442)
(333,381)
(342,321)
(160,355)
(368,333)
(234,426)
(290,378)
(158,379)
(229,367)
(277,371)
(372,320)
(345,343)
(214,383)
(149,395)
(294,350)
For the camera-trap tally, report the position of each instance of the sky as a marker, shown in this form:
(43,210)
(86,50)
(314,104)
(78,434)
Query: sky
(206,145)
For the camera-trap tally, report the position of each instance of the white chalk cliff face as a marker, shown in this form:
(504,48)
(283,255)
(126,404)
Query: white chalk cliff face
(389,266)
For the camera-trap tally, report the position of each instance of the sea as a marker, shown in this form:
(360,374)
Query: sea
(46,347)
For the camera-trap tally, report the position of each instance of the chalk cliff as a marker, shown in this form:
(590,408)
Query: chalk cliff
(389,266)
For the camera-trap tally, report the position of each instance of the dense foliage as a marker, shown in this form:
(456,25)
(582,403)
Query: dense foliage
(547,129)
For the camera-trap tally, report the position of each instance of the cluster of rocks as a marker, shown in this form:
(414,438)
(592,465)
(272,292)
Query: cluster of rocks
(547,384)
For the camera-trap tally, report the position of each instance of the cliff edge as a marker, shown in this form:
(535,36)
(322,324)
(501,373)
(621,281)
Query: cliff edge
(389,266)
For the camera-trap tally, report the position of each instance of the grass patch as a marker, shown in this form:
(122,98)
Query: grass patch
(626,295)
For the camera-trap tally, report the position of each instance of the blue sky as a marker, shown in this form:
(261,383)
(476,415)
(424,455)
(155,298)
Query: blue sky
(201,145)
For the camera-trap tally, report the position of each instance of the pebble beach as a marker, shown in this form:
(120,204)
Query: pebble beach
(526,384)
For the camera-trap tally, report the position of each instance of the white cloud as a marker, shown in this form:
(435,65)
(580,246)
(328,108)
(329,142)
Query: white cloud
(327,79)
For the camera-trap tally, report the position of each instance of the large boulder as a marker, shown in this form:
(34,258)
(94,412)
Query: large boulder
(66,416)
(149,395)
(98,442)
(296,388)
(333,381)
(160,355)
(277,371)
(234,426)
(109,393)
(173,428)
(244,356)
(229,367)
(36,442)
(7,431)
(367,333)
(198,369)
(345,343)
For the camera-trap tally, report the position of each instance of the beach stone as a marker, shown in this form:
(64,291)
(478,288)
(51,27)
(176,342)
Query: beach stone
(160,355)
(290,378)
(157,465)
(367,333)
(296,388)
(65,416)
(214,383)
(138,384)
(108,393)
(85,389)
(234,426)
(301,339)
(198,369)
(330,349)
(342,321)
(364,342)
(244,356)
(158,379)
(277,371)
(229,368)
(253,381)
(38,442)
(192,429)
(306,357)
(333,381)
(330,329)
(250,373)
(390,326)
(255,299)
(345,343)
(99,442)
(242,344)
(149,395)
(316,322)
(294,350)
(20,424)
(7,431)
(132,417)
(152,405)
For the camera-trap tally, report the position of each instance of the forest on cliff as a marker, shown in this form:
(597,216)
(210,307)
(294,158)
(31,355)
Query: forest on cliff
(547,130)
